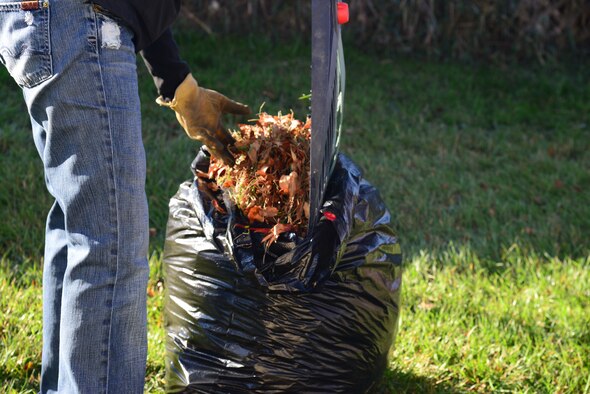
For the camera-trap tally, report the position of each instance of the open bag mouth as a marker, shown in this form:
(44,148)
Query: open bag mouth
(291,262)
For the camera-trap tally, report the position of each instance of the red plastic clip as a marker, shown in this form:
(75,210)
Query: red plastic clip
(329,215)
(342,13)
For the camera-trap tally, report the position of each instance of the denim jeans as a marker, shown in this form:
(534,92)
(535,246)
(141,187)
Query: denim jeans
(76,67)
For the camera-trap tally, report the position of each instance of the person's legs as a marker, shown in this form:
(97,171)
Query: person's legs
(54,267)
(86,124)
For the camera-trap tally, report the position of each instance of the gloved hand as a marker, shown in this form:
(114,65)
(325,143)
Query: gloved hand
(199,111)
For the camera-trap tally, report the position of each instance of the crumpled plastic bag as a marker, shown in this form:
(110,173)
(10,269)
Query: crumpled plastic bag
(312,315)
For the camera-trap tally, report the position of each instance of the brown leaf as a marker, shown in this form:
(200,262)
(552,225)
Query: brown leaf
(294,156)
(294,124)
(293,184)
(262,171)
(253,152)
(274,233)
(284,184)
(255,214)
(269,212)
(218,207)
(268,119)
(28,366)
(307,124)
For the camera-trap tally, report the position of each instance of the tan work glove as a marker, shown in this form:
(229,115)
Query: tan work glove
(199,111)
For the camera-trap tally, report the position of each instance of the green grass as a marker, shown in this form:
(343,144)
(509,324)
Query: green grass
(486,171)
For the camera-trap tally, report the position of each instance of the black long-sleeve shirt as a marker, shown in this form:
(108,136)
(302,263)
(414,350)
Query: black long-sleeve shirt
(164,63)
(150,21)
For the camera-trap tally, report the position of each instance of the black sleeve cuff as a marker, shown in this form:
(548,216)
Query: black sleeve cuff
(165,65)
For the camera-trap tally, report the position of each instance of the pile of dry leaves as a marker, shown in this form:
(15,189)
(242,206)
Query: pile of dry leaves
(270,181)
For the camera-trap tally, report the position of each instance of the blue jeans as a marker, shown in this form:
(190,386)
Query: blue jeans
(77,70)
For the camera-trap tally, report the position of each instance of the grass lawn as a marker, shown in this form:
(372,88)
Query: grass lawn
(486,171)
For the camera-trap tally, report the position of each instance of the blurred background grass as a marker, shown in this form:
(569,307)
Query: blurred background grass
(484,165)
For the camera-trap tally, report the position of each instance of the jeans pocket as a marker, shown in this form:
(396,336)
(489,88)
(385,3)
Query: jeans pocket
(25,47)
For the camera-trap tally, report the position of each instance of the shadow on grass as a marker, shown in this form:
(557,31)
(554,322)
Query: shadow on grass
(397,381)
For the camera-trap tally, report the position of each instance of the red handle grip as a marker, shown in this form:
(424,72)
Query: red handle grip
(342,13)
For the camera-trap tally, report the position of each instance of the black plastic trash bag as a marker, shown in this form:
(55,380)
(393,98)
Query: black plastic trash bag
(313,315)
